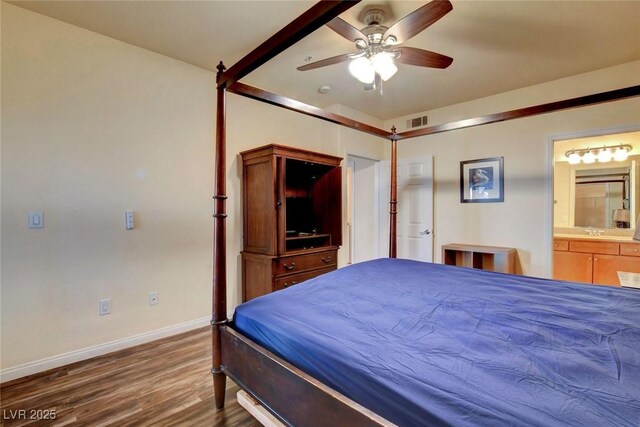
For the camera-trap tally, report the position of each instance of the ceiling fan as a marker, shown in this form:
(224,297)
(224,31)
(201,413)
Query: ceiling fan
(378,48)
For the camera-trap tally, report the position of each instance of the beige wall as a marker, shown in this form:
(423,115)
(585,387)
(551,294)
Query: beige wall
(524,220)
(94,127)
(563,194)
(363,145)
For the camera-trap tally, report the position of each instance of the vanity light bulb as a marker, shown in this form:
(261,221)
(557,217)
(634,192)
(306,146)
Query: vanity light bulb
(604,155)
(574,158)
(589,157)
(621,154)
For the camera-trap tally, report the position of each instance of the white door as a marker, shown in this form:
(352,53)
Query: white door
(415,209)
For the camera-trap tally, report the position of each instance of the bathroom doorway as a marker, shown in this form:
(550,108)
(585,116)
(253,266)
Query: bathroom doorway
(595,192)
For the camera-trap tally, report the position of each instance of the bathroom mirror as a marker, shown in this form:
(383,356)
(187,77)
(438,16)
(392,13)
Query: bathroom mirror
(601,195)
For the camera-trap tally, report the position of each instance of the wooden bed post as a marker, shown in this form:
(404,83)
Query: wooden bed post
(314,18)
(219,318)
(393,198)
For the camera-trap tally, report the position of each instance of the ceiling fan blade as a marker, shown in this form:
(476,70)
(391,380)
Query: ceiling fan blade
(346,30)
(418,20)
(325,62)
(422,58)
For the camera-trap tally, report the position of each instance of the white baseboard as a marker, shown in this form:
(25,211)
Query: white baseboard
(98,350)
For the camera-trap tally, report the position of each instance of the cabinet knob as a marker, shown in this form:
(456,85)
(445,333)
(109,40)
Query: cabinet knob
(595,259)
(289,266)
(326,260)
(286,285)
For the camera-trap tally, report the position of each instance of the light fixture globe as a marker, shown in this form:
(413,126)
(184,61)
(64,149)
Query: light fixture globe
(362,69)
(574,158)
(588,157)
(383,64)
(621,154)
(604,155)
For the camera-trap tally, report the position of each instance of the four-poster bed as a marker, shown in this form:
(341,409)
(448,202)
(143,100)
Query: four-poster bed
(291,394)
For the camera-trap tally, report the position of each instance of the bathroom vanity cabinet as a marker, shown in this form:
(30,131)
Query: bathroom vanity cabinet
(594,261)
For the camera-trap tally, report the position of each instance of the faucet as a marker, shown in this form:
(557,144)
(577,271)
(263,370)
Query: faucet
(593,232)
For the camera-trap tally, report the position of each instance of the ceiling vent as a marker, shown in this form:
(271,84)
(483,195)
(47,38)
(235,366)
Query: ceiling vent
(416,122)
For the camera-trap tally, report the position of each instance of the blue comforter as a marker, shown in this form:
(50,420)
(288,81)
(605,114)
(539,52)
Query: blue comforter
(429,344)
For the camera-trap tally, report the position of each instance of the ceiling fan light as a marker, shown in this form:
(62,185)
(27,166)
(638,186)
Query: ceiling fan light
(361,69)
(384,65)
(621,154)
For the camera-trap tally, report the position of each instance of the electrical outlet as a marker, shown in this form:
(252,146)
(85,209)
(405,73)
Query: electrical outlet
(104,307)
(153,298)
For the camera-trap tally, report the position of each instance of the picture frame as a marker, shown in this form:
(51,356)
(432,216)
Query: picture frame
(482,180)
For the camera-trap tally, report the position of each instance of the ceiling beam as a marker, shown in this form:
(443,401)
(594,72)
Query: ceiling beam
(300,107)
(582,101)
(314,18)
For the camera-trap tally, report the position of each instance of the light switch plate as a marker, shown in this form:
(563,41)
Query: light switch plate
(128,220)
(104,307)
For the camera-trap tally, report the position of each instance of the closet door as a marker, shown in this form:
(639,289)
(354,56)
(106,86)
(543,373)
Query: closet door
(415,208)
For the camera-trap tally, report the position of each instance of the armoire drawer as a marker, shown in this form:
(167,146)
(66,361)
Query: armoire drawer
(294,279)
(301,263)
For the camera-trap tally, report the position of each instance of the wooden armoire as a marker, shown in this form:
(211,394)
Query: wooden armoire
(292,217)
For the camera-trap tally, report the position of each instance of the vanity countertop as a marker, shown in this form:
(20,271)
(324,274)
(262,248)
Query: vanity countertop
(617,239)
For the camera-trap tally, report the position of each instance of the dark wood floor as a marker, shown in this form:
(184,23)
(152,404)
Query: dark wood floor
(166,382)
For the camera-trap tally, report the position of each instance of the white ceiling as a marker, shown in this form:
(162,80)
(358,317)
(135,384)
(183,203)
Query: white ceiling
(496,45)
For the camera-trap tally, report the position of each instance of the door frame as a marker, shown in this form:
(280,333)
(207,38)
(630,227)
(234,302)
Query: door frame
(549,205)
(349,211)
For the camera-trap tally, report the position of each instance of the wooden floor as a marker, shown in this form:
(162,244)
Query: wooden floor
(167,382)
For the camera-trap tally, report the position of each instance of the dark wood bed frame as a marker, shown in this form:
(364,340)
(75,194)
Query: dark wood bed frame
(292,396)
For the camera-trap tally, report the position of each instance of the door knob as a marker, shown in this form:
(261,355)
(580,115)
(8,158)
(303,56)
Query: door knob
(425,232)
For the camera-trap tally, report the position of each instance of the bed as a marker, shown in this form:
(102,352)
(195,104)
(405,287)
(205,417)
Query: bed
(297,397)
(426,344)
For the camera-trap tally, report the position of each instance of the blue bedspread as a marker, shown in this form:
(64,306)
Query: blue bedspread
(429,344)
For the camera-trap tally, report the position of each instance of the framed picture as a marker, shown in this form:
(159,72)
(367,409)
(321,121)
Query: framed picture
(482,180)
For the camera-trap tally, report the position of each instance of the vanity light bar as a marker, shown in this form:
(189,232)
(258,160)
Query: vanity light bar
(603,154)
